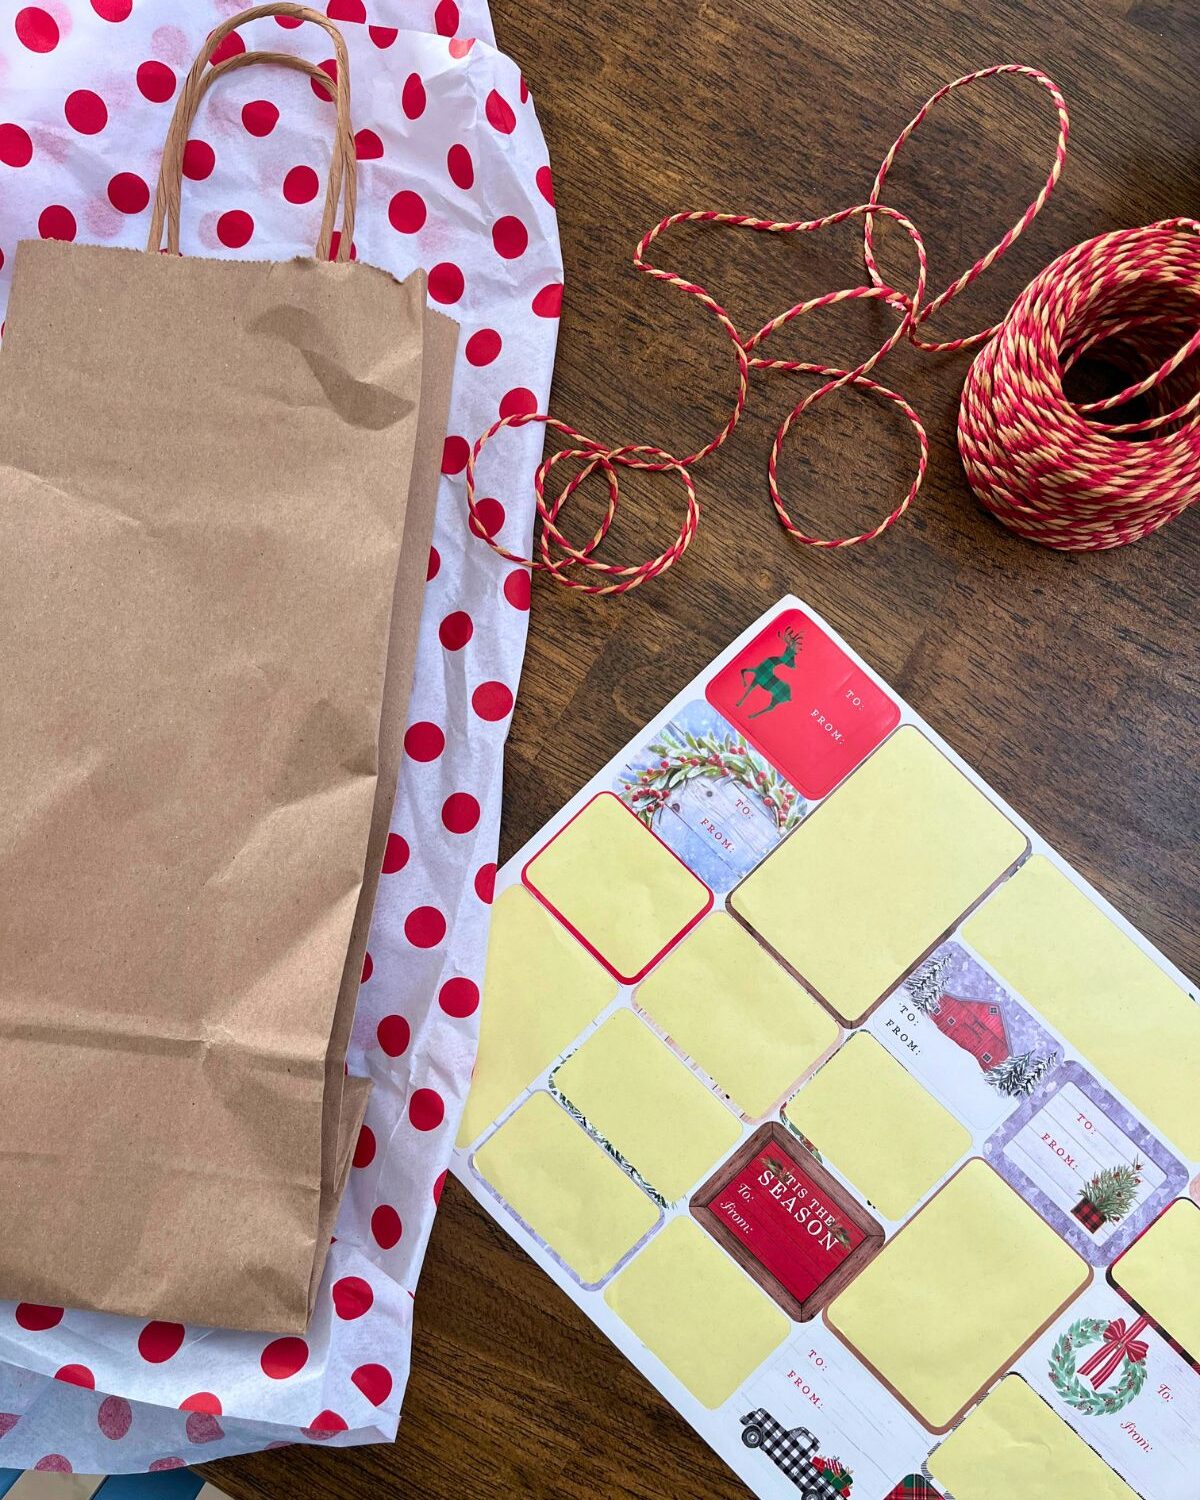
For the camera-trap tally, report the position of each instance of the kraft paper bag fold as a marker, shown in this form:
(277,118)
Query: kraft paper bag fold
(217,483)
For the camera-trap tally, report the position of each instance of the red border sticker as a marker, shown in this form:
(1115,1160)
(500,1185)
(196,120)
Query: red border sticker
(628,979)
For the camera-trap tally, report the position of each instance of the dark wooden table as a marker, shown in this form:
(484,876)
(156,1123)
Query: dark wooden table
(1068,681)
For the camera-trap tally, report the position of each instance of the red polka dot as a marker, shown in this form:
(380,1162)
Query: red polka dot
(200,1427)
(446,282)
(162,1465)
(455,452)
(113,10)
(289,23)
(500,113)
(434,565)
(488,518)
(483,347)
(395,855)
(324,1424)
(115,1418)
(510,237)
(383,36)
(368,967)
(425,927)
(202,1401)
(282,1358)
(456,630)
(492,701)
(394,1034)
(57,223)
(199,159)
(459,998)
(374,1381)
(330,69)
(364,1150)
(37,29)
(438,1186)
(232,46)
(460,812)
(8,1420)
(346,10)
(128,193)
(158,1342)
(155,82)
(35,1317)
(301,185)
(407,212)
(76,1375)
(412,97)
(260,117)
(424,741)
(460,46)
(352,1296)
(426,1109)
(16,148)
(548,302)
(461,167)
(485,883)
(545,183)
(335,241)
(446,18)
(518,402)
(367,146)
(235,228)
(524,90)
(386,1227)
(53,1463)
(518,588)
(86,112)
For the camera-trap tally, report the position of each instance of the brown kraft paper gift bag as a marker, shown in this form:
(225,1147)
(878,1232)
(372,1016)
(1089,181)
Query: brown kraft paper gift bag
(217,483)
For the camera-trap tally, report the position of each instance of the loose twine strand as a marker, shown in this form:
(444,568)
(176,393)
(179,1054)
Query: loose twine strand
(1053,471)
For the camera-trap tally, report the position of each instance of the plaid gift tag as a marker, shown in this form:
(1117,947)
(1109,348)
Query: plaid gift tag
(915,1487)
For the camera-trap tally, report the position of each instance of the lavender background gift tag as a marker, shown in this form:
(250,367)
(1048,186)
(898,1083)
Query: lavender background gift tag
(1056,1141)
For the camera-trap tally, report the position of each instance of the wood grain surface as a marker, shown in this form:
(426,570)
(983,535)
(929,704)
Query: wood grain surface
(1068,681)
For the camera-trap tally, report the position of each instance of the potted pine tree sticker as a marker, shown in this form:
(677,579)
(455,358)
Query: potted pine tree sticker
(1108,1196)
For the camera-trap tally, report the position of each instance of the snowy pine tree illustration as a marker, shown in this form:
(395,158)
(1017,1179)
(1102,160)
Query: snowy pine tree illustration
(1018,1076)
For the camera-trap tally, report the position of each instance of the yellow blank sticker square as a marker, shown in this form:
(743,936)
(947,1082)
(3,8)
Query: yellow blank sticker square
(540,990)
(619,888)
(873,1121)
(1013,1444)
(726,1003)
(965,1285)
(636,1093)
(1050,941)
(878,875)
(697,1312)
(1161,1272)
(571,1194)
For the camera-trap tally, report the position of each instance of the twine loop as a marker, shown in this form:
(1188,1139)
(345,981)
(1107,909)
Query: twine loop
(1057,473)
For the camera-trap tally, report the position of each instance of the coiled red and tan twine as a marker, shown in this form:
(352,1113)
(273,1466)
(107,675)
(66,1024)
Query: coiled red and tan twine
(1054,471)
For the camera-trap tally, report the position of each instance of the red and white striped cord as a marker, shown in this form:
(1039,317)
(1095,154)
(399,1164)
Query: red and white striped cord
(1053,471)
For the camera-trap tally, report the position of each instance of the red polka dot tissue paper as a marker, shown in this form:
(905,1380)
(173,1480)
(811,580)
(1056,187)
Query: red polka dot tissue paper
(453,178)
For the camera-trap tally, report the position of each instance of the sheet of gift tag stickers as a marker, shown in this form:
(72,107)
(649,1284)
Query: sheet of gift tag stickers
(861,1124)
